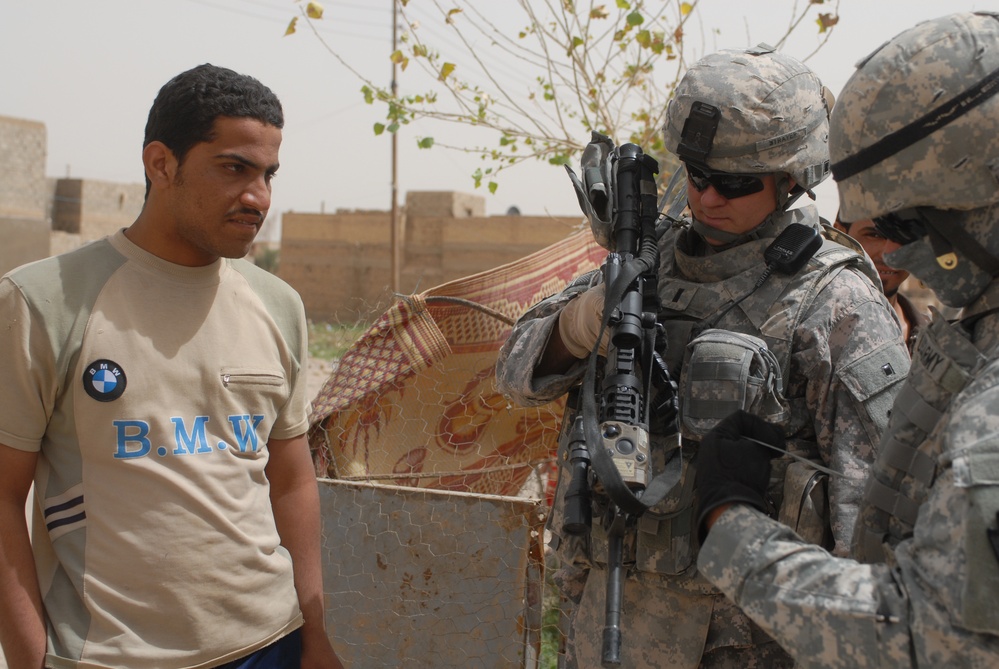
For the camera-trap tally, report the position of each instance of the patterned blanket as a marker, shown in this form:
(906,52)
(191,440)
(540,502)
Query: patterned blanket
(413,401)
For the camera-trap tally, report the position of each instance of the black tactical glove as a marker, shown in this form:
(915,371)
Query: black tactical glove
(730,468)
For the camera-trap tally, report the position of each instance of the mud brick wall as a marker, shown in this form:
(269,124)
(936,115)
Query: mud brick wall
(341,263)
(93,208)
(24,194)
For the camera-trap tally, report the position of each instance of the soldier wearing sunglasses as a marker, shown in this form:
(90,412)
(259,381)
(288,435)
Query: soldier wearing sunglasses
(751,129)
(915,148)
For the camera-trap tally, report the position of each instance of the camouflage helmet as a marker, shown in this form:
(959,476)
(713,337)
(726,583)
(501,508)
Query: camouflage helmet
(769,114)
(917,125)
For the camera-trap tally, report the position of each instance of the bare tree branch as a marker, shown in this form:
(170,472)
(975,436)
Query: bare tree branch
(605,65)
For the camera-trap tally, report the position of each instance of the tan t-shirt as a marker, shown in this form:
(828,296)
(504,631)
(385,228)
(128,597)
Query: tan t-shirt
(151,390)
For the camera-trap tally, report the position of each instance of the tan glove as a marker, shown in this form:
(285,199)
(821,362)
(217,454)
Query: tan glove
(579,323)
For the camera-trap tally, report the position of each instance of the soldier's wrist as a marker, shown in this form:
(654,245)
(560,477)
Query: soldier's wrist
(713,515)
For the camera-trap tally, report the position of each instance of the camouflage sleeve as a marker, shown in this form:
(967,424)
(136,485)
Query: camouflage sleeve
(825,611)
(522,350)
(851,359)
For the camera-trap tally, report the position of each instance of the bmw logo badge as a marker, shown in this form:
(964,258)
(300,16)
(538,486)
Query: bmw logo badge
(104,380)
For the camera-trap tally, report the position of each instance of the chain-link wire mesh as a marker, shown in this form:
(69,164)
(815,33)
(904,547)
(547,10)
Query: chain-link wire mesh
(435,486)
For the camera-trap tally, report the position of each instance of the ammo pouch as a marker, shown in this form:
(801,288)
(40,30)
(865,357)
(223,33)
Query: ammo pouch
(976,473)
(726,371)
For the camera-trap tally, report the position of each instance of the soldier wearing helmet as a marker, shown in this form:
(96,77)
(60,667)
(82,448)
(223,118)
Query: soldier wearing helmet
(914,147)
(751,128)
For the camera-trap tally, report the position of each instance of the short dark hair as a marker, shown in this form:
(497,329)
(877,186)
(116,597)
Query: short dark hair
(184,111)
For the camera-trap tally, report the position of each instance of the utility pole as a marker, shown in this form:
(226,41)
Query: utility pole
(396,235)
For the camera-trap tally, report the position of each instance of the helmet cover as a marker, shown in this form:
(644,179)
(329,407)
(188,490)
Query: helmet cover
(917,125)
(772,116)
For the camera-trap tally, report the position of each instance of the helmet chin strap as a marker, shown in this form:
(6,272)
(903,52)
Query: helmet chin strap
(784,185)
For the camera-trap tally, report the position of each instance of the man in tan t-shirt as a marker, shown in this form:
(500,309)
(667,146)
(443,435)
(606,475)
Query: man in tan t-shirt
(155,395)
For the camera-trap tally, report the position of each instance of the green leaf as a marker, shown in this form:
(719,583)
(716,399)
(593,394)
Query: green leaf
(393,127)
(826,21)
(314,10)
(425,143)
(446,70)
(623,4)
(379,128)
(369,94)
(635,19)
(290,30)
(397,57)
(493,186)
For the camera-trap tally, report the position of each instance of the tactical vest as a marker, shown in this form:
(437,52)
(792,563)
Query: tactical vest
(944,361)
(665,543)
(772,312)
(975,470)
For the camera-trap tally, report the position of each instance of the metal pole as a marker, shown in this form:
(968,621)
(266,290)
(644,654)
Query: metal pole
(396,234)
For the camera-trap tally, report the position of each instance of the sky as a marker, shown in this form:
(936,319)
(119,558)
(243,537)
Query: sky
(90,69)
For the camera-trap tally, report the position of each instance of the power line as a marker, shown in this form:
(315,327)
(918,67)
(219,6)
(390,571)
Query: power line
(281,15)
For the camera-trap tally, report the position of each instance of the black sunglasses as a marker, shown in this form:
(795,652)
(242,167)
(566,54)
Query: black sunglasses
(728,185)
(904,226)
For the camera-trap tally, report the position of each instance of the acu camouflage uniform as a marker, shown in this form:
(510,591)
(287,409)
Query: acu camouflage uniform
(833,331)
(930,515)
(933,604)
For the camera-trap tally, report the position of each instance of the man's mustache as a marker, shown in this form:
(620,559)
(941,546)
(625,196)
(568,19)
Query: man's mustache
(248,211)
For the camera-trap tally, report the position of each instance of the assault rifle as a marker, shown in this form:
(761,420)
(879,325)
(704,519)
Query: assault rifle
(608,444)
